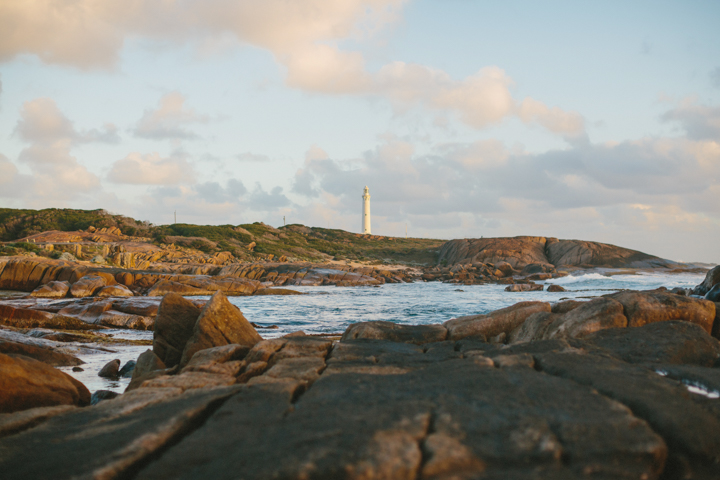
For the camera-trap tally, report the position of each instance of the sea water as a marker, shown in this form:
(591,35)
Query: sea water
(329,309)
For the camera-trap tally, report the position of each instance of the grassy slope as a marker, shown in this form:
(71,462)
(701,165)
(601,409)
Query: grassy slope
(294,241)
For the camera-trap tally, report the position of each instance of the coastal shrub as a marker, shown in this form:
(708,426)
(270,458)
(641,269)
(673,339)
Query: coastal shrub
(27,246)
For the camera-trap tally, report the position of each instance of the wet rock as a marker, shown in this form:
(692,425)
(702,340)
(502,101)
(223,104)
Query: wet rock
(78,369)
(101,395)
(51,290)
(88,310)
(493,323)
(380,330)
(44,355)
(555,288)
(219,323)
(658,306)
(115,291)
(712,278)
(28,383)
(27,318)
(141,306)
(669,342)
(693,438)
(87,286)
(173,328)
(110,370)
(112,318)
(713,294)
(127,369)
(524,287)
(538,268)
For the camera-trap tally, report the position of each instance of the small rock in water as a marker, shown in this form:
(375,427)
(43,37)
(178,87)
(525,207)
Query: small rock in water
(78,369)
(110,370)
(268,327)
(555,288)
(127,369)
(459,290)
(101,395)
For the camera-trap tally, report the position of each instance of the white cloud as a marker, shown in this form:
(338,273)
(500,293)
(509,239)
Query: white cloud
(252,157)
(151,169)
(303,36)
(169,120)
(700,122)
(55,173)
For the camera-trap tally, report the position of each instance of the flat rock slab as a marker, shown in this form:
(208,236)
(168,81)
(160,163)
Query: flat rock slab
(394,332)
(107,440)
(457,416)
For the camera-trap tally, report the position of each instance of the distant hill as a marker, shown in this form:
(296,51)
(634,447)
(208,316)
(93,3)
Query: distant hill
(246,242)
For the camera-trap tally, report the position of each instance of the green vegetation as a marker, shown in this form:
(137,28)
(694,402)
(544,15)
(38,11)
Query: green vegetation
(16,223)
(292,241)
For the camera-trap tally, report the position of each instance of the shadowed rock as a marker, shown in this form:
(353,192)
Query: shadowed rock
(663,342)
(27,383)
(110,370)
(380,330)
(712,278)
(174,326)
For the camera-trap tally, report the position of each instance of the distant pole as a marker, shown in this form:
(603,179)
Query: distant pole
(405,229)
(175,216)
(283,220)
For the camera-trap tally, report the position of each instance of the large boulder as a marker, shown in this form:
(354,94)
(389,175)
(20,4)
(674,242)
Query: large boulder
(27,383)
(173,328)
(380,330)
(219,323)
(37,352)
(87,286)
(578,252)
(642,308)
(713,294)
(51,290)
(712,278)
(27,318)
(494,323)
(597,314)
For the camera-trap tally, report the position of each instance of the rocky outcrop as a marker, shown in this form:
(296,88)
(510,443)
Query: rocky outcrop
(417,334)
(174,326)
(658,306)
(219,323)
(612,404)
(51,290)
(521,251)
(494,323)
(712,278)
(27,383)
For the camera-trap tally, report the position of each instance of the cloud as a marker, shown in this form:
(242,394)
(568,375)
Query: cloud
(55,173)
(169,120)
(151,169)
(304,36)
(267,201)
(486,180)
(215,193)
(700,122)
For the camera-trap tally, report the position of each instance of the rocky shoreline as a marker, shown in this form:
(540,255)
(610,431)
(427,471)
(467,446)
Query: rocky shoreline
(621,386)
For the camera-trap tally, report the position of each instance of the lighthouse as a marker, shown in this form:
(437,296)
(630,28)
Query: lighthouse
(366,211)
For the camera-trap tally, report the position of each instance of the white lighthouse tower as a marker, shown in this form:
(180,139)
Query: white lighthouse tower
(366,211)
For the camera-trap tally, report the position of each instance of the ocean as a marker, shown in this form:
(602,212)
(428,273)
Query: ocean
(331,309)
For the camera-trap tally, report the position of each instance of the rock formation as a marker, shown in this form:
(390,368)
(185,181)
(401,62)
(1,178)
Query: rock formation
(521,251)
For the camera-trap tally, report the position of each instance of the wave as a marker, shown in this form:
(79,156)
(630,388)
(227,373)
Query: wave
(584,278)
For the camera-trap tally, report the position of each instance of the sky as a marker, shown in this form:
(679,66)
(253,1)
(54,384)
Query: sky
(579,120)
